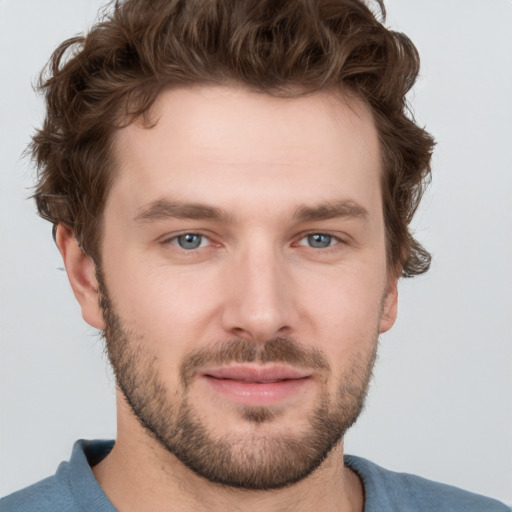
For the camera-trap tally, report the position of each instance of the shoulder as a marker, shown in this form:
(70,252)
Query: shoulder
(73,488)
(52,493)
(390,491)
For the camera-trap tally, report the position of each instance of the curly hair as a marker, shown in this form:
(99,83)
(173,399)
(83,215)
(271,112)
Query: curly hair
(99,82)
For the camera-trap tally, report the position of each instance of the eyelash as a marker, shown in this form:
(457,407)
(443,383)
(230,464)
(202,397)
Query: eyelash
(174,240)
(332,238)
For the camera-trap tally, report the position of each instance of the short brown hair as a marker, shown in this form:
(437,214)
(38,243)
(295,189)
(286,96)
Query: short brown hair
(106,79)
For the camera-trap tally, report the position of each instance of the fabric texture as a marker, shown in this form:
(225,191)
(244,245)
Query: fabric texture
(73,488)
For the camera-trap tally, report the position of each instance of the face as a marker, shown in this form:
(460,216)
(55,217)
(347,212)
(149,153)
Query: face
(244,280)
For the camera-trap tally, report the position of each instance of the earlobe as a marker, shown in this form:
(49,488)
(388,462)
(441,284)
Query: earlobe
(81,274)
(389,307)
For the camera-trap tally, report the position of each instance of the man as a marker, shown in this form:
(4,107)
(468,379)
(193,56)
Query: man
(231,185)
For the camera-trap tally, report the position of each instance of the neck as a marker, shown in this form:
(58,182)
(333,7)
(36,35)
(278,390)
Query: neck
(140,475)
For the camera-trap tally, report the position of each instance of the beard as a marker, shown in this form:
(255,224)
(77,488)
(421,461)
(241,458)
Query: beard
(259,460)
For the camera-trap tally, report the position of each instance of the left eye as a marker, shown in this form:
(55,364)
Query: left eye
(190,241)
(318,240)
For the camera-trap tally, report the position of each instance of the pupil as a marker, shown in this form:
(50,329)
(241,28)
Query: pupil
(320,241)
(189,241)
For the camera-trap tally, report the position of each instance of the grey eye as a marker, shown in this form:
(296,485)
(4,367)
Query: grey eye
(319,240)
(189,241)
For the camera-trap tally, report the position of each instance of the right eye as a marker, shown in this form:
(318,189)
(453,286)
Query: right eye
(189,241)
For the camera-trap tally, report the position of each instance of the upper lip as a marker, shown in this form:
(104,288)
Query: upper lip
(256,374)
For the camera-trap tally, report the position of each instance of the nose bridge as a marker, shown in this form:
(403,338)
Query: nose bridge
(259,306)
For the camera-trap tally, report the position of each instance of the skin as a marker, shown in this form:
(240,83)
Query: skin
(255,276)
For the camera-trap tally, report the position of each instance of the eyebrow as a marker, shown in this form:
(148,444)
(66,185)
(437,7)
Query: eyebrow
(163,209)
(331,210)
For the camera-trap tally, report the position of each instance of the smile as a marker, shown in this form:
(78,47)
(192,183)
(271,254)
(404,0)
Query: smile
(252,386)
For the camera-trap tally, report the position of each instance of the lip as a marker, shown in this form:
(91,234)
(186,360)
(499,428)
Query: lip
(256,386)
(261,374)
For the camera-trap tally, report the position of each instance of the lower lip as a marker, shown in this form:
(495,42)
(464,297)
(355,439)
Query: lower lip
(257,393)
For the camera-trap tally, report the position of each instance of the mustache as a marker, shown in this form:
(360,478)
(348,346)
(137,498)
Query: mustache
(276,350)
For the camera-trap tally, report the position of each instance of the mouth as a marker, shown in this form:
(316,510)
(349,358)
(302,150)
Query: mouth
(256,386)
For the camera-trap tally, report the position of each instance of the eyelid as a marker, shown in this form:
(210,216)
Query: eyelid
(169,238)
(337,237)
(340,238)
(203,241)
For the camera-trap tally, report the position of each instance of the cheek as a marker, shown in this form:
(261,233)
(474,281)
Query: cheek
(163,303)
(344,308)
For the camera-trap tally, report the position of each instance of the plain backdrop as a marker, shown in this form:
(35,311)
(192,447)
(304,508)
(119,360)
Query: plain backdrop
(440,404)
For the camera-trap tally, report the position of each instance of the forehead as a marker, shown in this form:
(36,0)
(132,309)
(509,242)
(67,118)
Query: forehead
(214,144)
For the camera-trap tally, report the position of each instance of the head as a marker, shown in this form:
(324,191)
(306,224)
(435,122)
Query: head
(233,184)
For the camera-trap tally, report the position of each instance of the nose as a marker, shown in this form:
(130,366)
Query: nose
(259,303)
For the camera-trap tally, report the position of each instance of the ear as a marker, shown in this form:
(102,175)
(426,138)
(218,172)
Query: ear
(389,306)
(82,276)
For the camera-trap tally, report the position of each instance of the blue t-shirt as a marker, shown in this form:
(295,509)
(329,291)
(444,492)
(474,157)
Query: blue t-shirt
(73,488)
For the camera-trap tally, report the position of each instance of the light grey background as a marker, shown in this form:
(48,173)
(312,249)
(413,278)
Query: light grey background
(441,401)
